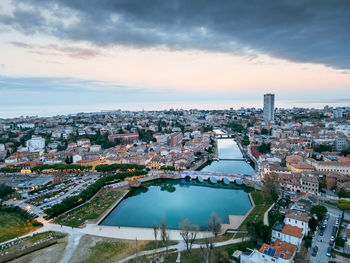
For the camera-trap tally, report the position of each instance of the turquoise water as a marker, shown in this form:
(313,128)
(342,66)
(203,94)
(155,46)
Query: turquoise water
(228,149)
(237,167)
(174,200)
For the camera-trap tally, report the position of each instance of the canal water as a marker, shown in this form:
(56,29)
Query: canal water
(174,200)
(228,149)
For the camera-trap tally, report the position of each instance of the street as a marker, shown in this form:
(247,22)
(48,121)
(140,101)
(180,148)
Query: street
(322,242)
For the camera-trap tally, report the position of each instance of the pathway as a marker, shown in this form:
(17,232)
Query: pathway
(266,215)
(181,246)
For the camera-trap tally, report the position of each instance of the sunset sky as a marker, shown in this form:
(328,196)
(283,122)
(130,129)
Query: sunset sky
(83,55)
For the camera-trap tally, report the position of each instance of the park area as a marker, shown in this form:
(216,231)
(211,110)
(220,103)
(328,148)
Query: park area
(15,222)
(91,210)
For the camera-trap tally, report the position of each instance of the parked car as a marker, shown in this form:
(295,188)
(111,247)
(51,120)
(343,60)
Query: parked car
(329,252)
(331,242)
(314,251)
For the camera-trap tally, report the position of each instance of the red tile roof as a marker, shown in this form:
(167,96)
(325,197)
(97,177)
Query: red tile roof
(281,247)
(292,231)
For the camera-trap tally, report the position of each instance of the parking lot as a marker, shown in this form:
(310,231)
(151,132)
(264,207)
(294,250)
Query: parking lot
(54,195)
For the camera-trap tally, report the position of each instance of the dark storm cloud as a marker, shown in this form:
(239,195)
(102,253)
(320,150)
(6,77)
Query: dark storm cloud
(304,31)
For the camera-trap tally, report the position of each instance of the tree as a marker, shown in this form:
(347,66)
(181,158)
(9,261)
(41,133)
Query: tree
(214,223)
(165,236)
(207,250)
(188,232)
(265,147)
(271,185)
(5,190)
(345,152)
(264,131)
(313,223)
(245,141)
(155,231)
(342,193)
(319,210)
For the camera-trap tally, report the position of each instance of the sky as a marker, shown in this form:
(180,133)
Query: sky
(64,56)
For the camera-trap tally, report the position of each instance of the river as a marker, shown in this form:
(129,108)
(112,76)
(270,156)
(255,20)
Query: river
(228,149)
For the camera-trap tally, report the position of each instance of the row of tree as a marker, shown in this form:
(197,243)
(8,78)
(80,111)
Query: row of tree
(188,232)
(60,166)
(118,167)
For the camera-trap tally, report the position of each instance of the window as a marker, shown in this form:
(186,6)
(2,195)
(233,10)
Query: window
(302,223)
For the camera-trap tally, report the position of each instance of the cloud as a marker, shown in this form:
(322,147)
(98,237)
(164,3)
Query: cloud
(314,31)
(71,51)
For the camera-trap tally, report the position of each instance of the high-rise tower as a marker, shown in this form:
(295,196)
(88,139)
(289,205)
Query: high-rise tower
(269,107)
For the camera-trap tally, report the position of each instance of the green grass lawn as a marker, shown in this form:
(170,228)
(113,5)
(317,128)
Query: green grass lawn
(12,225)
(91,210)
(261,206)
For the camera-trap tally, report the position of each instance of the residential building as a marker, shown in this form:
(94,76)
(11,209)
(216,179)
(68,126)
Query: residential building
(279,252)
(36,144)
(287,233)
(269,107)
(309,184)
(298,219)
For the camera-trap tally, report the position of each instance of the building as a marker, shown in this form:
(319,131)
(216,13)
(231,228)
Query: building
(36,144)
(298,219)
(125,138)
(269,107)
(338,167)
(175,138)
(340,143)
(309,184)
(287,233)
(279,252)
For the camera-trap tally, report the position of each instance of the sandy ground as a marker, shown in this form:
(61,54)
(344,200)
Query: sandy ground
(52,254)
(83,251)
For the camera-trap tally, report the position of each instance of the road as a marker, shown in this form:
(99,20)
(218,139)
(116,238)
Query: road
(322,242)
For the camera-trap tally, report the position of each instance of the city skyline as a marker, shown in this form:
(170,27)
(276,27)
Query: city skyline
(64,56)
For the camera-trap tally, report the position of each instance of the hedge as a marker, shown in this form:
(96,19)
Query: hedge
(117,166)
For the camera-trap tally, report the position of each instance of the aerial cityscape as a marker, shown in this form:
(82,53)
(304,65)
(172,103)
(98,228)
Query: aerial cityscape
(174,131)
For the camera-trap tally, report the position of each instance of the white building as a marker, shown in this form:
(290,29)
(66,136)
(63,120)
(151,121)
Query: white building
(298,219)
(279,252)
(26,125)
(36,144)
(2,147)
(77,158)
(269,107)
(290,234)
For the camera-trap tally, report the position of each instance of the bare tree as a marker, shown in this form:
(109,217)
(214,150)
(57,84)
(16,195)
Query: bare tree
(155,230)
(214,223)
(188,232)
(207,250)
(165,236)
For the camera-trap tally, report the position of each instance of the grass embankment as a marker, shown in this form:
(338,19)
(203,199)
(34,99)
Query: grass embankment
(221,254)
(262,204)
(15,222)
(343,205)
(30,244)
(97,249)
(91,210)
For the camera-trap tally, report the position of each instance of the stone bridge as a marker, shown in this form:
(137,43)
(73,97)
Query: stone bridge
(248,180)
